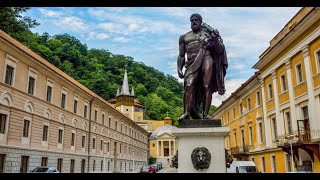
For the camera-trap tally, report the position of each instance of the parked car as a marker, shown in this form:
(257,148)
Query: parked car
(242,167)
(159,164)
(154,168)
(146,169)
(43,169)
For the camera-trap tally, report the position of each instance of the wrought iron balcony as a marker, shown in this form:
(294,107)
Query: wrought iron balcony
(299,137)
(240,149)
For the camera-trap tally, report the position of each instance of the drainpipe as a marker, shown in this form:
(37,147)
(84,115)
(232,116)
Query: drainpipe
(90,118)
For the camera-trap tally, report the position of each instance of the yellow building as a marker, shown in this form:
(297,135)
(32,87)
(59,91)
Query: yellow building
(277,107)
(163,144)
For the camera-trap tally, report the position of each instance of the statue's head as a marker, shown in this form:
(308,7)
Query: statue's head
(201,158)
(196,21)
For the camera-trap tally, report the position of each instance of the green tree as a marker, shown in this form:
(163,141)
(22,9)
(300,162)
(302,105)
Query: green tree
(13,23)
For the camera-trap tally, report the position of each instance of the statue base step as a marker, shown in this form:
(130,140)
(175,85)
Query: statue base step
(199,123)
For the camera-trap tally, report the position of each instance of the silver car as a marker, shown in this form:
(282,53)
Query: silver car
(43,169)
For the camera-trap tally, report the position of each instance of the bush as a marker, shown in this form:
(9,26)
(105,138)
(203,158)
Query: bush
(152,160)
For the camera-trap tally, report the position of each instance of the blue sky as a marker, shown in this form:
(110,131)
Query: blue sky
(150,35)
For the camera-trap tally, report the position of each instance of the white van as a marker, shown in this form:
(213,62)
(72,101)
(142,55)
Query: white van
(242,167)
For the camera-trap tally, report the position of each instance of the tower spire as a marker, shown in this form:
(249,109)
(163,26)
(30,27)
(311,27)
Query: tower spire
(118,92)
(132,92)
(125,85)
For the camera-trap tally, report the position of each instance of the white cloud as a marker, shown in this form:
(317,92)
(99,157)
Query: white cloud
(49,13)
(102,36)
(72,23)
(238,66)
(133,27)
(121,39)
(231,86)
(98,36)
(113,28)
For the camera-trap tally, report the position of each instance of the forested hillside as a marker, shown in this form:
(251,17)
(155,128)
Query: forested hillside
(98,69)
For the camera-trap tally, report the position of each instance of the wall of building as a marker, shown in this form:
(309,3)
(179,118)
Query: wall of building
(41,112)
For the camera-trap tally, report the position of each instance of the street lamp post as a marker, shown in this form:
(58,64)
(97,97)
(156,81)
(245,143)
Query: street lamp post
(290,139)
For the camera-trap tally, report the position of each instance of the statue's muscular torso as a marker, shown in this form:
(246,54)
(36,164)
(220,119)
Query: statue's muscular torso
(192,45)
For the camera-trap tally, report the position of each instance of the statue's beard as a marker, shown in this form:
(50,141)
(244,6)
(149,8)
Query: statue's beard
(195,27)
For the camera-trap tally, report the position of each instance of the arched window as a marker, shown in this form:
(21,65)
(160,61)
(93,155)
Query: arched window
(6,99)
(47,113)
(28,106)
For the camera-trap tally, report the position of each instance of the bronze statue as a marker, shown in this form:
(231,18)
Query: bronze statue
(205,67)
(201,158)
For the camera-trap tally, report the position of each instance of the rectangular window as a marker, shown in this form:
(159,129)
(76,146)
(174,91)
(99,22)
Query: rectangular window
(248,104)
(49,93)
(242,139)
(289,126)
(288,160)
(250,133)
(228,117)
(9,75)
(31,85)
(72,138)
(24,164)
(44,161)
(274,124)
(72,166)
(3,122)
(63,100)
(109,121)
(261,134)
(258,98)
(26,126)
(240,108)
(125,130)
(318,60)
(95,115)
(274,164)
(101,148)
(45,133)
(101,166)
(2,161)
(85,111)
(283,83)
(83,164)
(116,125)
(299,73)
(102,119)
(270,91)
(83,141)
(235,139)
(108,147)
(234,113)
(305,112)
(120,127)
(59,166)
(94,165)
(75,106)
(263,168)
(60,136)
(94,143)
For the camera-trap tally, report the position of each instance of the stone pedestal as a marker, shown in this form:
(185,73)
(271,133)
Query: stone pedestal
(211,138)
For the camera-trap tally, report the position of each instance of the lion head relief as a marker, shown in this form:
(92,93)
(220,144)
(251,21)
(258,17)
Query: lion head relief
(201,158)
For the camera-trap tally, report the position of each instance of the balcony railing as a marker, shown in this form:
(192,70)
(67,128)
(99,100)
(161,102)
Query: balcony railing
(299,137)
(241,149)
